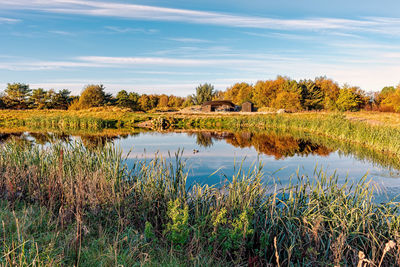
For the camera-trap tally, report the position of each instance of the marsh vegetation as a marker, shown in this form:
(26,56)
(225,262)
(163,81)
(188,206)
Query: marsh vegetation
(146,213)
(52,214)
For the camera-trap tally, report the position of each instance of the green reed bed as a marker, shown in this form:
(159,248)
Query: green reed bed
(95,118)
(337,126)
(67,205)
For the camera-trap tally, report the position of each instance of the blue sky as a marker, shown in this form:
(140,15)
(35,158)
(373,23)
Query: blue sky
(160,46)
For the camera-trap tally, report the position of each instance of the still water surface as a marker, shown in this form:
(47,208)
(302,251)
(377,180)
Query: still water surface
(206,153)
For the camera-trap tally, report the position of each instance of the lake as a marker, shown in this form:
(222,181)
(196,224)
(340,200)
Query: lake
(212,156)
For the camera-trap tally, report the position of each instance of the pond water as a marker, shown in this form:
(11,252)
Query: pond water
(220,152)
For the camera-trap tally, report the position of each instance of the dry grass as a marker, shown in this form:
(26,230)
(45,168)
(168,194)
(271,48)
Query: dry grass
(94,208)
(376,118)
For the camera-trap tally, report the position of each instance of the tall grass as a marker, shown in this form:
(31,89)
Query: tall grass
(94,118)
(69,205)
(371,130)
(383,137)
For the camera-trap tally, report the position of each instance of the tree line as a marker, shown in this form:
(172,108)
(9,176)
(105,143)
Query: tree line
(281,93)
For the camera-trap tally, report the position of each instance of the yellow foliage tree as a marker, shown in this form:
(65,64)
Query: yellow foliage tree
(287,100)
(239,93)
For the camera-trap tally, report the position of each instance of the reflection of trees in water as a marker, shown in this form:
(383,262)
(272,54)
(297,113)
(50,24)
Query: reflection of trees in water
(62,137)
(6,137)
(96,141)
(19,138)
(42,138)
(204,139)
(99,141)
(279,146)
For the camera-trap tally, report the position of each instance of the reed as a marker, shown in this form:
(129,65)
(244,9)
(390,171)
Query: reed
(381,137)
(377,131)
(94,118)
(68,205)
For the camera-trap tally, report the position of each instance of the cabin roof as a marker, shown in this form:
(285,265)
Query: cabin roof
(219,103)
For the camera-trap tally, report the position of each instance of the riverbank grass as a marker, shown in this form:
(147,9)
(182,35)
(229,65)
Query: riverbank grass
(67,205)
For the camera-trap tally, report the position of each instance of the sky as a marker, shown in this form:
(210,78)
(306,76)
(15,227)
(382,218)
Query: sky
(160,46)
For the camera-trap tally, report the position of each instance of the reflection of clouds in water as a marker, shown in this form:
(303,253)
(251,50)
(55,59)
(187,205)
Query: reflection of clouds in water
(274,151)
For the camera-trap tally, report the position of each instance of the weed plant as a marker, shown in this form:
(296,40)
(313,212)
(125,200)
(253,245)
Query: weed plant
(67,205)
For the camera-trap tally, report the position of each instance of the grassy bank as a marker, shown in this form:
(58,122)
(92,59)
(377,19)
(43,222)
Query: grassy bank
(375,132)
(281,143)
(93,119)
(381,137)
(379,131)
(67,205)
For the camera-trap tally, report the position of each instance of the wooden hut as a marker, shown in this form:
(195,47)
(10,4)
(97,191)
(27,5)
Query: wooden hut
(247,107)
(218,105)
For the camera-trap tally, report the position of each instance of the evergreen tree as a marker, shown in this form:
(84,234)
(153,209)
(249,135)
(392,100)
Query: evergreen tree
(37,100)
(313,96)
(16,96)
(62,99)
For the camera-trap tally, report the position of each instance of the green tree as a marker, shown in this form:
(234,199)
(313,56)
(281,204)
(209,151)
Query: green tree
(122,99)
(204,92)
(349,99)
(2,104)
(126,100)
(153,101)
(133,100)
(37,100)
(313,96)
(16,96)
(189,101)
(61,100)
(50,97)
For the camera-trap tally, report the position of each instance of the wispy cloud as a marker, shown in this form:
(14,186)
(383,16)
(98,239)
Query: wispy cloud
(64,33)
(195,51)
(116,29)
(281,35)
(189,40)
(9,20)
(134,62)
(144,12)
(371,73)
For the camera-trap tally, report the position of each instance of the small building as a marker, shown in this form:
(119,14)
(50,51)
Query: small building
(218,105)
(248,106)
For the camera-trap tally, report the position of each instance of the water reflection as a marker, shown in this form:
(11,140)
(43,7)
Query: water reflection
(279,145)
(272,144)
(90,141)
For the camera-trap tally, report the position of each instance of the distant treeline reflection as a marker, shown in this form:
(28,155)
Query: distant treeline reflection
(88,140)
(272,144)
(276,143)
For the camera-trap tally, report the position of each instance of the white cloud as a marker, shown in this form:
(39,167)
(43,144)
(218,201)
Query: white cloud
(8,20)
(370,73)
(189,40)
(116,29)
(161,61)
(62,33)
(143,12)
